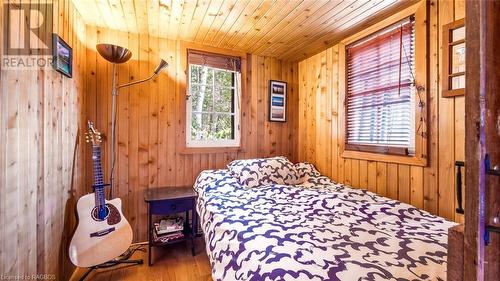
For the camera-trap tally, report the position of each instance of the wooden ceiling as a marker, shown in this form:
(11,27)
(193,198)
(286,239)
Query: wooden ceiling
(286,29)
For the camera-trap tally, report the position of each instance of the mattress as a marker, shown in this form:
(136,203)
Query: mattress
(318,230)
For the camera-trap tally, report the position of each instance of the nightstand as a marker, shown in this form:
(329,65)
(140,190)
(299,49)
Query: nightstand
(169,201)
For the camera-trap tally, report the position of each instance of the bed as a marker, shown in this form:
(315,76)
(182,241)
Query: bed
(315,230)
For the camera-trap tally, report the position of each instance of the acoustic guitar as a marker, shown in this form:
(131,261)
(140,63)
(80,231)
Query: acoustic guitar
(102,233)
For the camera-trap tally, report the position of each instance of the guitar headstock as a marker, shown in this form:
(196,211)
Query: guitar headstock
(92,135)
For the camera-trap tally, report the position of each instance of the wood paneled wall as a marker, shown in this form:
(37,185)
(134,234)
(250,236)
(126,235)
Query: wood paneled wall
(431,188)
(149,117)
(40,156)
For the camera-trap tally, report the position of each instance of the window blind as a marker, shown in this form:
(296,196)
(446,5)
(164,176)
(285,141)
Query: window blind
(214,60)
(380,114)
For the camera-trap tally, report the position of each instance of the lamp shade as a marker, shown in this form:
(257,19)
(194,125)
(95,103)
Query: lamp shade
(161,66)
(114,53)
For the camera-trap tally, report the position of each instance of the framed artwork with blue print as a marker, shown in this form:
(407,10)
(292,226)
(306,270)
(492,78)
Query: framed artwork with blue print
(277,101)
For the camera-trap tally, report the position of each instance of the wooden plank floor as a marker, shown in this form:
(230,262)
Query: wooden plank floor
(172,263)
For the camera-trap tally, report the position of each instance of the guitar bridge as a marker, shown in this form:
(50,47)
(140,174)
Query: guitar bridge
(102,232)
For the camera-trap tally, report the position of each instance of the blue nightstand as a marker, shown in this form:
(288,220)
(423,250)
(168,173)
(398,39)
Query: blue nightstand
(169,201)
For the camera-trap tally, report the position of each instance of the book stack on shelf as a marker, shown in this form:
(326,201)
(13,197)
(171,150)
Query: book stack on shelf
(168,230)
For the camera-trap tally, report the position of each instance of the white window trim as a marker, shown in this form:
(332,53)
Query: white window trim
(215,143)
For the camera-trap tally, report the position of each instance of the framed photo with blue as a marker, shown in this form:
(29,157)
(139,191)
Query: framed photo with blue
(277,101)
(62,56)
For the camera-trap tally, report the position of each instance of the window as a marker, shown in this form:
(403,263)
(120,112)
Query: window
(213,100)
(453,81)
(380,91)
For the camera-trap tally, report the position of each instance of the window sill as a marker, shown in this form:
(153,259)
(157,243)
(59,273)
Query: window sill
(204,150)
(388,158)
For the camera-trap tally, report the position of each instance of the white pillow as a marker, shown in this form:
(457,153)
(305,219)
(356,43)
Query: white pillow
(306,170)
(265,171)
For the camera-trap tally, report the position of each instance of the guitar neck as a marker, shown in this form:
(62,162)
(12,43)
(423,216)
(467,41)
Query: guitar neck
(98,176)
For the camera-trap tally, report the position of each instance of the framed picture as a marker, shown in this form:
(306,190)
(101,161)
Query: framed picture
(277,101)
(62,56)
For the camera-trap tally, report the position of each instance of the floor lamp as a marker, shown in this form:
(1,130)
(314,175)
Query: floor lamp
(117,55)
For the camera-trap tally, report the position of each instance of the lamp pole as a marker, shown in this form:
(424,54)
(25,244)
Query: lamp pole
(116,54)
(114,93)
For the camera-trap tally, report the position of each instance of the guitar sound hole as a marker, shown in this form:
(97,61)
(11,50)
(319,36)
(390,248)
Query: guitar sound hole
(95,213)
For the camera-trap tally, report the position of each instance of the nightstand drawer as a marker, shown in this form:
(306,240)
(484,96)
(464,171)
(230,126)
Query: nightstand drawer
(165,207)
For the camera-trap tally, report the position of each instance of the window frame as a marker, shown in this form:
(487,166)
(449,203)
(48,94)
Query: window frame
(448,44)
(181,90)
(237,113)
(379,153)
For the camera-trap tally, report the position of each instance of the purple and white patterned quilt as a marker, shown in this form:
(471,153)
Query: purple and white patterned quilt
(318,230)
